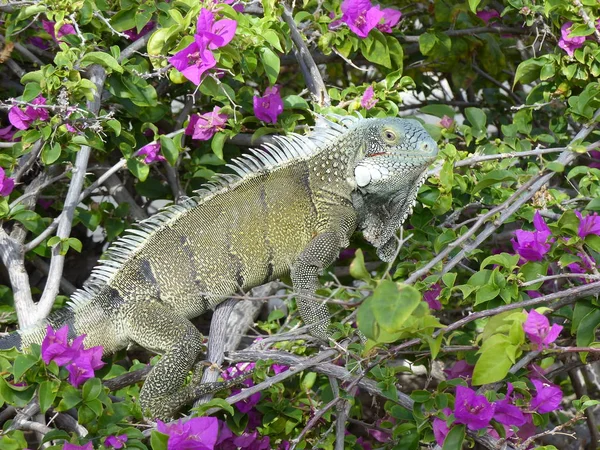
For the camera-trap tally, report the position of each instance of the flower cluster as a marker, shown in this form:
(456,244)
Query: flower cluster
(432,296)
(22,119)
(64,30)
(532,245)
(204,126)
(361,17)
(368,101)
(6,184)
(197,58)
(80,362)
(268,107)
(476,412)
(151,152)
(567,43)
(538,330)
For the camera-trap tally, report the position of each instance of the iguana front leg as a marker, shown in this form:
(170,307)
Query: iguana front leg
(319,254)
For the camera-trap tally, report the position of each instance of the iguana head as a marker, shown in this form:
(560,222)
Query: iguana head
(396,154)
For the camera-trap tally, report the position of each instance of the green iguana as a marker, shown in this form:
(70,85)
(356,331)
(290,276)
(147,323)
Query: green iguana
(290,209)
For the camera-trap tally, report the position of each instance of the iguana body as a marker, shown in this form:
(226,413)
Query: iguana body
(290,210)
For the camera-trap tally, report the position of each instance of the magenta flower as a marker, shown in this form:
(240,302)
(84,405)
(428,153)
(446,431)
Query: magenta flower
(471,409)
(80,370)
(446,122)
(486,16)
(69,446)
(235,4)
(460,369)
(361,16)
(22,119)
(39,42)
(204,126)
(199,433)
(547,398)
(368,101)
(194,60)
(133,35)
(587,265)
(268,107)
(589,224)
(569,44)
(152,153)
(279,368)
(440,427)
(116,441)
(432,295)
(216,34)
(7,133)
(531,245)
(595,154)
(508,414)
(55,346)
(7,184)
(64,30)
(538,330)
(391,17)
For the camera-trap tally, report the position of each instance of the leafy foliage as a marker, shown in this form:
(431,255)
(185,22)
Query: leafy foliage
(502,247)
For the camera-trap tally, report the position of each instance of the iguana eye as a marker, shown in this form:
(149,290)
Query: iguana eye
(389,136)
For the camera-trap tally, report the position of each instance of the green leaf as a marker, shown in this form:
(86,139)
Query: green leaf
(138,168)
(555,167)
(438,110)
(473,4)
(426,42)
(586,331)
(169,149)
(92,388)
(393,304)
(32,90)
(494,177)
(75,244)
(123,20)
(23,363)
(115,125)
(375,49)
(476,117)
(158,441)
(454,439)
(47,393)
(358,269)
(271,64)
(103,59)
(593,241)
(295,101)
(50,153)
(486,293)
(494,361)
(528,71)
(217,143)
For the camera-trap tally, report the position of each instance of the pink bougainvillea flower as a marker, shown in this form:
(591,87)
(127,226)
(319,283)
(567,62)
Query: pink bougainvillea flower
(538,329)
(215,34)
(440,427)
(432,295)
(199,433)
(7,184)
(36,113)
(532,245)
(508,414)
(361,16)
(64,30)
(391,17)
(235,4)
(39,42)
(486,16)
(589,224)
(547,398)
(569,44)
(473,410)
(55,346)
(460,369)
(133,35)
(152,153)
(268,107)
(18,118)
(80,370)
(7,133)
(446,122)
(194,60)
(595,154)
(204,126)
(586,266)
(368,101)
(69,446)
(279,368)
(116,441)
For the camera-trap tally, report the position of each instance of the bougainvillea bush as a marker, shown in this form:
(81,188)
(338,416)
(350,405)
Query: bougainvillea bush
(484,330)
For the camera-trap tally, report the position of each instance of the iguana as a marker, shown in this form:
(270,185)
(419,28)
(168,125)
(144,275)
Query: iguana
(289,209)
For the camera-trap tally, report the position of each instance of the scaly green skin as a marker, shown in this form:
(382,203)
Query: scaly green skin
(290,211)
